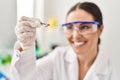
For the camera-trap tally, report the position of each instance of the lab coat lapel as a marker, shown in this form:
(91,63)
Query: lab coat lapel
(72,65)
(99,69)
(102,68)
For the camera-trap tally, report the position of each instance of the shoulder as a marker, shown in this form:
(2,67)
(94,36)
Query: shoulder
(104,64)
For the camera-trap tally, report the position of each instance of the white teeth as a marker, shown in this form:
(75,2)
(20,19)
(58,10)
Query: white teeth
(78,43)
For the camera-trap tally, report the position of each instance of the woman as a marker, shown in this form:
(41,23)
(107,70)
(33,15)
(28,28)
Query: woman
(81,61)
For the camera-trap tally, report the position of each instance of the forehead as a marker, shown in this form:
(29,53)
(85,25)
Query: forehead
(79,15)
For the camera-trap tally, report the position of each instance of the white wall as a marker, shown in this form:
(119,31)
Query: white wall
(7,23)
(25,8)
(110,37)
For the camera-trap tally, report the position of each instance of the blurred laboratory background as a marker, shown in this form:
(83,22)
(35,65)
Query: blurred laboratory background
(49,38)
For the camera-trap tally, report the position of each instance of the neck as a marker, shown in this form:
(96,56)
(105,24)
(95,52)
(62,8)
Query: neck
(87,59)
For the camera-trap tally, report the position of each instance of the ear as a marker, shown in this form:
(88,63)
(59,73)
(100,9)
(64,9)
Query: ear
(100,30)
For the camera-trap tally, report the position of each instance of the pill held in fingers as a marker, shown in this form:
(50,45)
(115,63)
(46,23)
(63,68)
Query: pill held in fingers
(45,24)
(38,23)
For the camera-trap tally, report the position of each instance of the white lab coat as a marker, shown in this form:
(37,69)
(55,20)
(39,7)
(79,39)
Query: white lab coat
(61,64)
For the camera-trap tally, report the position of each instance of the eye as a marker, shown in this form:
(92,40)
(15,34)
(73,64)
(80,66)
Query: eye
(84,27)
(69,27)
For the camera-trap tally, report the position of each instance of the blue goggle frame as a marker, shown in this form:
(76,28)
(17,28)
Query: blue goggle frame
(82,22)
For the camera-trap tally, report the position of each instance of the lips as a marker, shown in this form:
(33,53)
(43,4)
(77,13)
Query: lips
(79,44)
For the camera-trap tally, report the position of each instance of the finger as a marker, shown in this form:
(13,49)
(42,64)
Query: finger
(24,18)
(24,29)
(26,36)
(33,22)
(26,23)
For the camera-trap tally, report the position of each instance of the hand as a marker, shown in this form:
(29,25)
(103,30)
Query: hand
(26,32)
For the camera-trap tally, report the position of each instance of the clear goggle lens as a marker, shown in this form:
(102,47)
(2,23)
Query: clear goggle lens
(83,27)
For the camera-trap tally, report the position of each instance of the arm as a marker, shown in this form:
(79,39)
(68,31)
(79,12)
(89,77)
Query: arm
(25,67)
(23,64)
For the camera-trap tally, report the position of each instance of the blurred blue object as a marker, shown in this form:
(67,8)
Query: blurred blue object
(3,77)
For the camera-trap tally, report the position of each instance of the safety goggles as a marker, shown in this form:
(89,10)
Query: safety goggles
(83,27)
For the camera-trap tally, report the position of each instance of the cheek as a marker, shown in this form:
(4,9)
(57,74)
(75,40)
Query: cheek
(93,40)
(69,38)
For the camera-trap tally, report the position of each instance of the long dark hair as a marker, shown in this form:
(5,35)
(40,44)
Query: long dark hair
(91,8)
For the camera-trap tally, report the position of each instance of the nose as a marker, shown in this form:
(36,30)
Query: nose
(76,29)
(76,33)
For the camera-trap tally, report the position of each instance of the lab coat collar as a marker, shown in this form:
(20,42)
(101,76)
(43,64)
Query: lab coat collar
(101,63)
(72,64)
(99,68)
(70,56)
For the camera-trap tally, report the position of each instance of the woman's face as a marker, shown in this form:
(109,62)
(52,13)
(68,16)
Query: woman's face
(86,43)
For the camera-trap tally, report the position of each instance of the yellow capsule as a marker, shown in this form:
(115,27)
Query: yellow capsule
(53,23)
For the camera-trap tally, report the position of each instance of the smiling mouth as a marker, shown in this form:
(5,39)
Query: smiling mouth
(79,44)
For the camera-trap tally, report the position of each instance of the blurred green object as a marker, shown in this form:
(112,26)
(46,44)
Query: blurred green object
(5,57)
(38,51)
